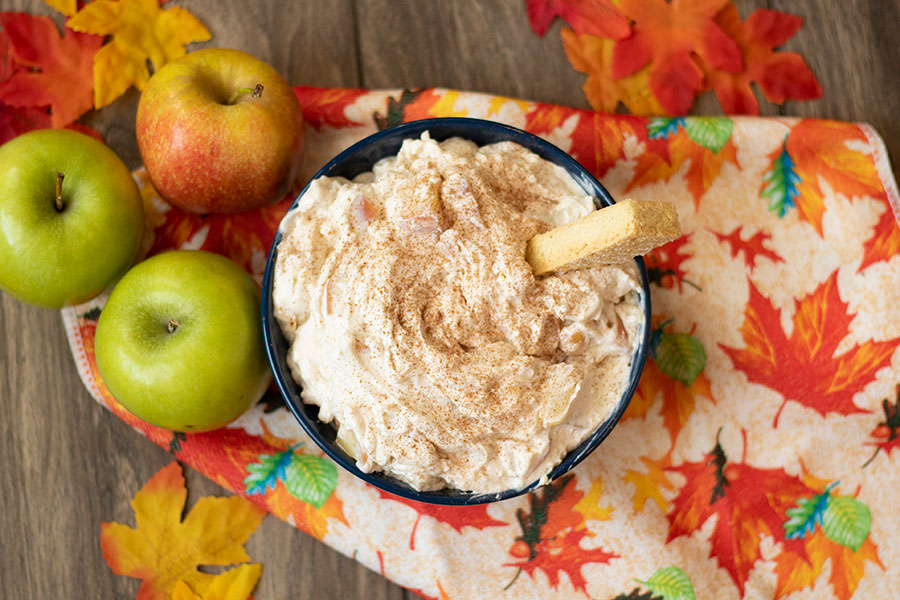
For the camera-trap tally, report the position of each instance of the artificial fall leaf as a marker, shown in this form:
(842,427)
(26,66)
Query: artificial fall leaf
(702,165)
(803,367)
(595,17)
(781,76)
(233,584)
(551,534)
(592,56)
(820,151)
(58,71)
(751,248)
(748,503)
(665,36)
(326,107)
(140,31)
(456,517)
(16,121)
(66,7)
(649,485)
(885,241)
(678,400)
(164,550)
(795,571)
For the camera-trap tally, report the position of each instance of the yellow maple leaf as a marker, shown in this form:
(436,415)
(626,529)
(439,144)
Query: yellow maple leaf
(163,550)
(140,31)
(647,485)
(234,584)
(589,506)
(66,7)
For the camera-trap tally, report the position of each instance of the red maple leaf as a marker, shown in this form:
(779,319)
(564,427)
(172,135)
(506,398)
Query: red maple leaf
(885,241)
(456,517)
(16,121)
(820,152)
(60,70)
(748,503)
(326,107)
(803,367)
(595,17)
(664,263)
(704,165)
(552,534)
(751,248)
(666,34)
(780,75)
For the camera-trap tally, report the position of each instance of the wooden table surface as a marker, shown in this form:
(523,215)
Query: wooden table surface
(68,465)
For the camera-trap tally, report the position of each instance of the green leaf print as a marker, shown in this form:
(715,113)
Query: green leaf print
(663,127)
(311,478)
(802,519)
(671,583)
(846,521)
(265,474)
(781,181)
(681,356)
(710,132)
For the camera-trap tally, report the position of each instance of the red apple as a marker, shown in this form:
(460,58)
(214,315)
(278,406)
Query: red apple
(220,131)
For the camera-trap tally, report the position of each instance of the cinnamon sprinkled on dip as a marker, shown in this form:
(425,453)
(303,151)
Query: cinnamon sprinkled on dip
(418,328)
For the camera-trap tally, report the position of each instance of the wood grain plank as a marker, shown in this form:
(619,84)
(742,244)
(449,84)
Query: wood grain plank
(852,49)
(465,44)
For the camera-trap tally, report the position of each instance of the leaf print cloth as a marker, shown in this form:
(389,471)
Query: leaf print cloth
(757,458)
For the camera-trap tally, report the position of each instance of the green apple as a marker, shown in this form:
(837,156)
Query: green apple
(71,217)
(179,342)
(220,131)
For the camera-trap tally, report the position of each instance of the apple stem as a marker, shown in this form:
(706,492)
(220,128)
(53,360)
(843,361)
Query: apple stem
(255,92)
(173,325)
(59,200)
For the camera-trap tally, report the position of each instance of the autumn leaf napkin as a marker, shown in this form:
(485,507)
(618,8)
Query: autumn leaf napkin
(757,458)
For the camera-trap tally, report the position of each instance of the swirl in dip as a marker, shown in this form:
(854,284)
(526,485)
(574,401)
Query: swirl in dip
(418,328)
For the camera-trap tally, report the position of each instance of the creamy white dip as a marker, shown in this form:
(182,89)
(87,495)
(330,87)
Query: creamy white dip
(418,328)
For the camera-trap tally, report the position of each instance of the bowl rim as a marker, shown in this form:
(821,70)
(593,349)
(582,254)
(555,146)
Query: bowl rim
(387,483)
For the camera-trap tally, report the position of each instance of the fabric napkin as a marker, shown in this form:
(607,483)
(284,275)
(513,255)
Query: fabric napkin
(756,459)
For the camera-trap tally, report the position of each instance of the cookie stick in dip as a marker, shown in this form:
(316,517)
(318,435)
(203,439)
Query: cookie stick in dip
(611,235)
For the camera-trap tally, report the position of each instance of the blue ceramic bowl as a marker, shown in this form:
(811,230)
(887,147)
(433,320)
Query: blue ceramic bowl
(359,158)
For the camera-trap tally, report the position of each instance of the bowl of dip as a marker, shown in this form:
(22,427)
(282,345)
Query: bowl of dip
(435,366)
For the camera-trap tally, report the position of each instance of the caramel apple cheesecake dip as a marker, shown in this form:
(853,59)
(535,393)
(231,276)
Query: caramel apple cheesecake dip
(421,332)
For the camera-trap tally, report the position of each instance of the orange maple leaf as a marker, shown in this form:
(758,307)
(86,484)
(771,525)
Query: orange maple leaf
(803,367)
(781,76)
(326,107)
(593,56)
(703,165)
(164,550)
(820,152)
(456,517)
(304,515)
(795,571)
(552,532)
(885,241)
(58,69)
(752,248)
(595,17)
(678,400)
(748,504)
(666,34)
